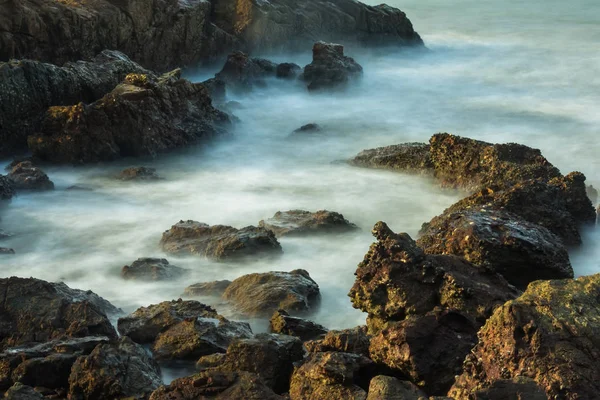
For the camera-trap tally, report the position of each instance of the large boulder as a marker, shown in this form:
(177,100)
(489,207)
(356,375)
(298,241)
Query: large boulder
(283,323)
(384,387)
(269,356)
(330,68)
(219,241)
(28,88)
(142,116)
(35,311)
(353,340)
(263,294)
(218,385)
(26,176)
(241,72)
(302,223)
(407,157)
(550,334)
(112,371)
(152,269)
(500,241)
(397,279)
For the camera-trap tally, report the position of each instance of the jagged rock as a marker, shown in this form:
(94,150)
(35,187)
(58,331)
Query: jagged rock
(263,294)
(397,279)
(354,340)
(301,223)
(330,68)
(308,128)
(388,388)
(330,376)
(144,115)
(216,88)
(288,71)
(269,356)
(407,157)
(114,370)
(219,242)
(138,174)
(35,311)
(218,385)
(242,72)
(26,176)
(281,322)
(152,269)
(520,251)
(7,191)
(6,251)
(208,289)
(549,334)
(428,349)
(146,323)
(22,392)
(28,88)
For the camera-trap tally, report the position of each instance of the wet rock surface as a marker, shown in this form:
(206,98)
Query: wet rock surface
(549,334)
(301,223)
(283,323)
(27,177)
(407,157)
(114,370)
(262,294)
(152,269)
(207,289)
(388,388)
(35,311)
(138,174)
(354,340)
(142,116)
(330,68)
(219,241)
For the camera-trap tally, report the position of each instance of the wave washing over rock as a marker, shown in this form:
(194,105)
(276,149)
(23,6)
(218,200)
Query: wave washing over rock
(284,139)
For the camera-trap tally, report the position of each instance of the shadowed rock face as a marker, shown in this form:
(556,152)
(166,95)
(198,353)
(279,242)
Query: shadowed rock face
(549,334)
(283,323)
(144,115)
(330,68)
(27,177)
(302,223)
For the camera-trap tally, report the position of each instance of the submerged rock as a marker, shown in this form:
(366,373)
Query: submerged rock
(263,294)
(330,68)
(208,289)
(7,190)
(144,115)
(219,241)
(138,174)
(283,323)
(301,223)
(308,128)
(407,157)
(549,334)
(6,251)
(353,340)
(288,71)
(241,72)
(112,371)
(388,388)
(152,269)
(26,176)
(35,311)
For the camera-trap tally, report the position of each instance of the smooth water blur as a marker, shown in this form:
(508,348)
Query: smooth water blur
(497,71)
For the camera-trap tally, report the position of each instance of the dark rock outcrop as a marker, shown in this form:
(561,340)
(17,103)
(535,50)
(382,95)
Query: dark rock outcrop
(207,289)
(283,323)
(28,88)
(152,269)
(330,68)
(288,71)
(263,294)
(241,72)
(138,174)
(407,157)
(6,251)
(388,388)
(35,311)
(308,128)
(7,191)
(112,371)
(354,340)
(142,116)
(549,334)
(25,176)
(301,223)
(219,242)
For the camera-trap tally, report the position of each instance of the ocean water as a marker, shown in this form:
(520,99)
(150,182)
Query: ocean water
(497,71)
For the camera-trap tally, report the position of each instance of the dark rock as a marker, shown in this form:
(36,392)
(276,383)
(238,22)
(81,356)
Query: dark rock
(354,340)
(428,349)
(218,385)
(330,68)
(219,242)
(138,174)
(146,323)
(7,190)
(152,269)
(407,157)
(520,251)
(308,128)
(288,70)
(301,223)
(35,311)
(79,188)
(388,388)
(519,388)
(263,294)
(549,334)
(216,88)
(592,194)
(142,116)
(25,176)
(22,392)
(208,289)
(242,72)
(4,235)
(267,355)
(6,251)
(329,376)
(397,279)
(281,322)
(114,370)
